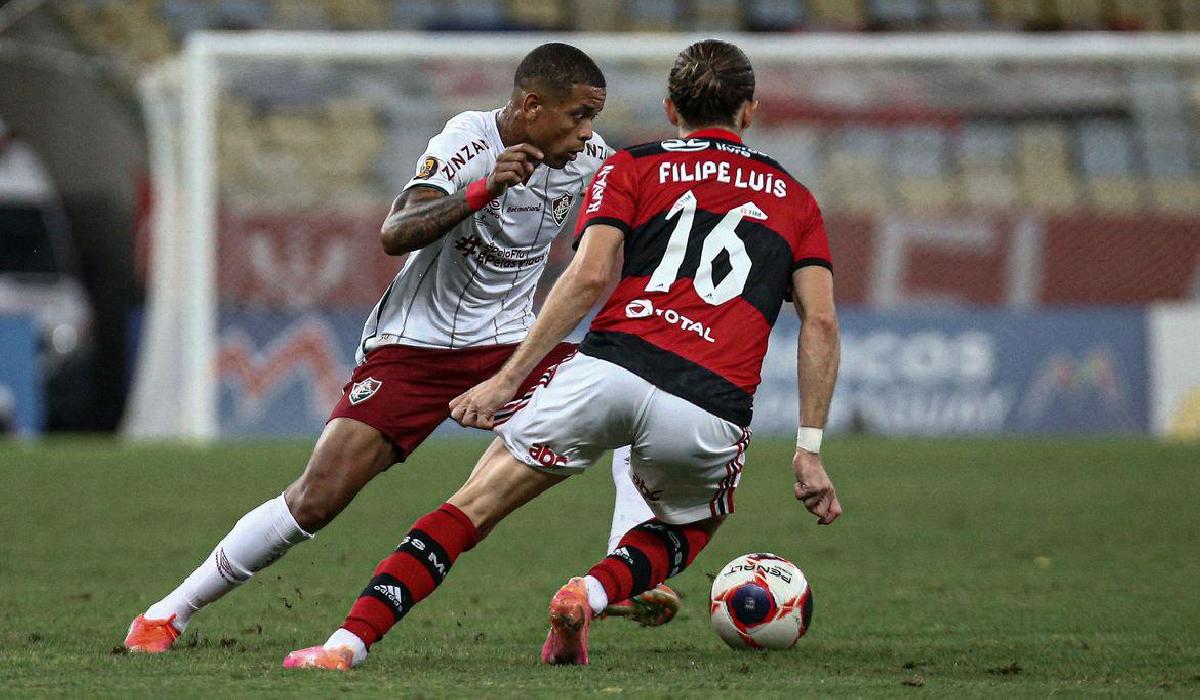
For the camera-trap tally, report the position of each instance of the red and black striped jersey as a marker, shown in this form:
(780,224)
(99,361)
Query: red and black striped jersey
(713,231)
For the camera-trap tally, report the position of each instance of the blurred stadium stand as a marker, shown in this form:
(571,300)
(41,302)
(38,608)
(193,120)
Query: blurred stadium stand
(146,30)
(1106,157)
(1058,153)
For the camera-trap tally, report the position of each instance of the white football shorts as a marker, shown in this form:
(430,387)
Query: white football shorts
(684,461)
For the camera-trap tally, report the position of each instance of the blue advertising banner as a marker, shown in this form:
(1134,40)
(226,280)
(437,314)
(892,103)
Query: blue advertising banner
(946,372)
(281,373)
(973,371)
(22,408)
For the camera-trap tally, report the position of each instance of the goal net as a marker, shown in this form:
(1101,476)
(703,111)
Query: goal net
(968,170)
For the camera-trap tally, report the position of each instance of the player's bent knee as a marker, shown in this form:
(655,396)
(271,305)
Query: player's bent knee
(313,503)
(347,456)
(321,493)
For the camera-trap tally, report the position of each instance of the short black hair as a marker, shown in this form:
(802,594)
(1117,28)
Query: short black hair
(556,68)
(709,82)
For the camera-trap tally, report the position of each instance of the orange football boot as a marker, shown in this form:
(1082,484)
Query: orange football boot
(335,659)
(151,636)
(570,616)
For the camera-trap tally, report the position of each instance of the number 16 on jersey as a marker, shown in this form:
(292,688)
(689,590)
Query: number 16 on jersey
(720,238)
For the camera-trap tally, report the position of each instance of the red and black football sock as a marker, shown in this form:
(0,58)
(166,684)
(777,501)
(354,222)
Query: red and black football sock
(647,555)
(410,574)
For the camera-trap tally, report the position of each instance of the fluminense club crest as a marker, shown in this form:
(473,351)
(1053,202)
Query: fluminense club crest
(560,207)
(361,391)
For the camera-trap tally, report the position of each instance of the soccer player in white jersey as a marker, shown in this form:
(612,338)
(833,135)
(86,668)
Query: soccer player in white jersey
(490,194)
(670,364)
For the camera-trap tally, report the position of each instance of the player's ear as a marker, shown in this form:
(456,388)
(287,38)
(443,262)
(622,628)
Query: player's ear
(747,113)
(531,105)
(672,113)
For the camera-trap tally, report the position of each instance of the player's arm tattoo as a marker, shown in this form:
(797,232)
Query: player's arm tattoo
(420,216)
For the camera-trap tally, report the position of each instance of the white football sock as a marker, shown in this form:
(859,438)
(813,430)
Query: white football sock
(259,538)
(346,638)
(630,508)
(597,597)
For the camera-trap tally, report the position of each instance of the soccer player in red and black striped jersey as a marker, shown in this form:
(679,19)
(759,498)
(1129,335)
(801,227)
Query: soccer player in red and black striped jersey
(715,236)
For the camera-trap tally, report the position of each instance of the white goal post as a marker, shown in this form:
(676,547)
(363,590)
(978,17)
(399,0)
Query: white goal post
(222,116)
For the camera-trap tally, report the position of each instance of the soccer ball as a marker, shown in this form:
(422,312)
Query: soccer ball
(760,601)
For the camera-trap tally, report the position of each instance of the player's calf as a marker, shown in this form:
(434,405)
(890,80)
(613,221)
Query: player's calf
(401,580)
(419,565)
(646,556)
(259,538)
(347,456)
(411,573)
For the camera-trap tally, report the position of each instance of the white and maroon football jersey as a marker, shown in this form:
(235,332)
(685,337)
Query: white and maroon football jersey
(474,286)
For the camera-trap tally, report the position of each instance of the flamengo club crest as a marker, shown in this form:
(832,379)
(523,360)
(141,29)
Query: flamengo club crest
(560,207)
(361,391)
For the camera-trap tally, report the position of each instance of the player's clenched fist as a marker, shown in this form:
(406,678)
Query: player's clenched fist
(813,487)
(513,167)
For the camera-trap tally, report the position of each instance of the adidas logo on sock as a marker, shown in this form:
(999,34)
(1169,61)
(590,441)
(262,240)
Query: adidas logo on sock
(623,554)
(394,594)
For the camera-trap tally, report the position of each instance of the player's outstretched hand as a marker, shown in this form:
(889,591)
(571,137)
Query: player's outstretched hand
(813,487)
(477,407)
(513,167)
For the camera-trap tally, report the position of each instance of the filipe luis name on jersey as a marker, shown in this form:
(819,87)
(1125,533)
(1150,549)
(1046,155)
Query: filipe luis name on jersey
(722,171)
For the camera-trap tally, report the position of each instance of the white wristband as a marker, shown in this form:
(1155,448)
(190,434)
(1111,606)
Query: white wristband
(809,439)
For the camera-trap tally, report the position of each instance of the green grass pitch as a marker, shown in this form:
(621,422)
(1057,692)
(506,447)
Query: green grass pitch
(960,568)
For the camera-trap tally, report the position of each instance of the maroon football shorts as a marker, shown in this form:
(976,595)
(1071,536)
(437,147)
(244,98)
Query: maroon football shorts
(404,392)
